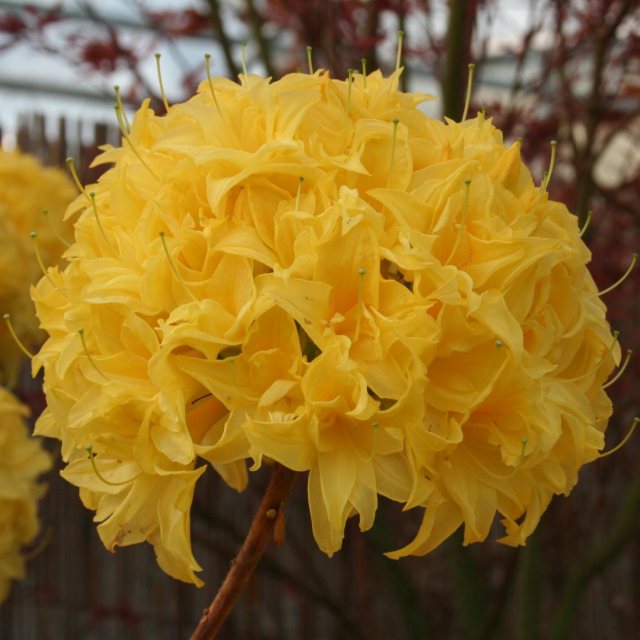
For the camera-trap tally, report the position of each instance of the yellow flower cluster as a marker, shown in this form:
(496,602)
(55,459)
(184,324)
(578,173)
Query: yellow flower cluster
(22,460)
(26,189)
(314,272)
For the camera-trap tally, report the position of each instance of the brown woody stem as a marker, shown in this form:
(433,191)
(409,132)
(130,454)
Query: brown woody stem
(250,553)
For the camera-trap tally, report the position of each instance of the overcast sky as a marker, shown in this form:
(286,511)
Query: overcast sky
(21,64)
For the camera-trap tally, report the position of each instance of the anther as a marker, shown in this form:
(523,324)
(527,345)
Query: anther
(174,268)
(76,179)
(467,100)
(162,93)
(14,335)
(587,221)
(86,353)
(552,162)
(271,514)
(45,213)
(36,249)
(310,59)
(94,466)
(621,370)
(624,441)
(624,276)
(399,49)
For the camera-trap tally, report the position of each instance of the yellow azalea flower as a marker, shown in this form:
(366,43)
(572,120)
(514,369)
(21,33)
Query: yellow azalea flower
(27,189)
(313,272)
(22,460)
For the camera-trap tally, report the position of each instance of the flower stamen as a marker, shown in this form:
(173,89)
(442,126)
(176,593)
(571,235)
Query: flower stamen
(7,318)
(207,67)
(552,163)
(467,100)
(624,276)
(174,268)
(94,466)
(89,356)
(394,135)
(624,440)
(45,213)
(399,49)
(607,353)
(621,370)
(116,90)
(363,63)
(125,134)
(92,196)
(34,239)
(76,179)
(310,59)
(587,221)
(162,92)
(361,273)
(299,192)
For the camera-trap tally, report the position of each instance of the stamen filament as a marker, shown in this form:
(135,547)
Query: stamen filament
(624,441)
(624,276)
(14,335)
(86,353)
(76,179)
(243,57)
(174,268)
(116,89)
(552,162)
(162,93)
(587,221)
(467,100)
(394,135)
(310,59)
(607,353)
(621,370)
(361,272)
(399,49)
(349,87)
(92,195)
(207,67)
(363,62)
(94,466)
(299,192)
(34,237)
(126,136)
(45,213)
(465,208)
(499,476)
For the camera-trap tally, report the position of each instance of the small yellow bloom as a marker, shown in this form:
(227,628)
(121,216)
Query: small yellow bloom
(321,275)
(22,460)
(27,189)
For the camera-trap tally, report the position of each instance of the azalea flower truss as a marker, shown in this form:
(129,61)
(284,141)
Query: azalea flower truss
(22,460)
(27,188)
(313,272)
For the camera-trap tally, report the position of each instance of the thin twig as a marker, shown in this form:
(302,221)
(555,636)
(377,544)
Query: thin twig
(250,553)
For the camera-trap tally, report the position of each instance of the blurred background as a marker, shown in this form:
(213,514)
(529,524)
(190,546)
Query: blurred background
(565,70)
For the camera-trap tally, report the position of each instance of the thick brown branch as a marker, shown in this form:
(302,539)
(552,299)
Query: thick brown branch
(250,553)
